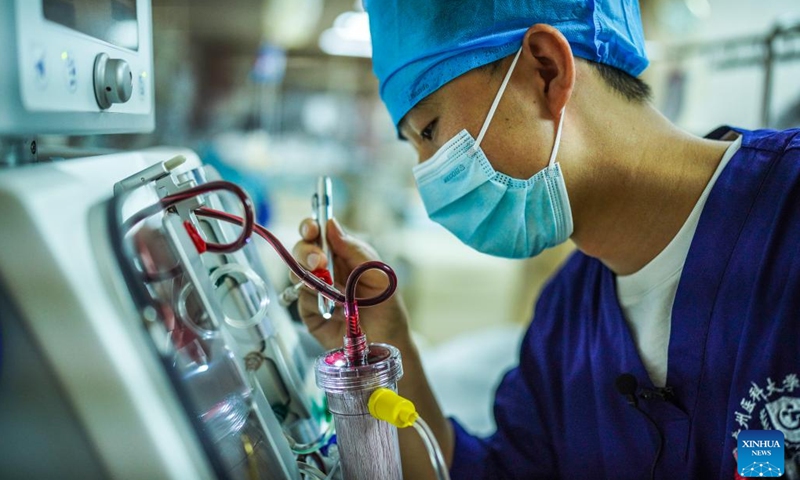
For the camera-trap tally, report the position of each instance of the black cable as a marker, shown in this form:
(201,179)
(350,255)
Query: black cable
(660,442)
(627,385)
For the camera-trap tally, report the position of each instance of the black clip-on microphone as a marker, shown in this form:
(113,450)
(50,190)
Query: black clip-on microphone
(627,385)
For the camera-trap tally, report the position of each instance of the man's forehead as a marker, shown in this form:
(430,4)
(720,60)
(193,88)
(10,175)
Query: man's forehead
(403,129)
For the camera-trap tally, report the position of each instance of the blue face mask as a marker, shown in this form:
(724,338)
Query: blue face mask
(488,210)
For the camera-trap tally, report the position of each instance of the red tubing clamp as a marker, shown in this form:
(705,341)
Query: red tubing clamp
(198,241)
(324,275)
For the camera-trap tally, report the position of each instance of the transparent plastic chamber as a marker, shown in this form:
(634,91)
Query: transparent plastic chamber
(369,446)
(241,368)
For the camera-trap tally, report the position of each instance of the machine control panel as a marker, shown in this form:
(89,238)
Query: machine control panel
(113,81)
(76,67)
(80,67)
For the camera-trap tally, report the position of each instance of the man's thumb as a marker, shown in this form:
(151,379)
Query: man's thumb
(337,239)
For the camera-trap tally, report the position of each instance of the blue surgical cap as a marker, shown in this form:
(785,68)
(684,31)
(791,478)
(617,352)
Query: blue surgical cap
(420,45)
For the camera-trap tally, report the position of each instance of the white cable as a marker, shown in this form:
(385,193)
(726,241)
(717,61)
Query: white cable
(333,470)
(314,445)
(311,470)
(428,447)
(434,452)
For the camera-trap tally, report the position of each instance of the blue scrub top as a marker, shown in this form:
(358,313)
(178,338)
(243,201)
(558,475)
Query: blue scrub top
(734,351)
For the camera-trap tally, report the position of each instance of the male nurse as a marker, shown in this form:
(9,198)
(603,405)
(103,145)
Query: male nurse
(676,324)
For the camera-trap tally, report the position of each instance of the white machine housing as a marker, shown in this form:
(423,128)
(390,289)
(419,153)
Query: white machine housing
(48,86)
(86,389)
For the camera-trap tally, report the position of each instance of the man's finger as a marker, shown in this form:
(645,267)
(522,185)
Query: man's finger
(350,249)
(308,310)
(309,229)
(309,255)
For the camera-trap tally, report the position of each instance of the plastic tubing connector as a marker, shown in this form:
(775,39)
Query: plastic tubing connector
(384,404)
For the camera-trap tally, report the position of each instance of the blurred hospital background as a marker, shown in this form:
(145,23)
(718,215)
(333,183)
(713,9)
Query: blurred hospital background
(274,93)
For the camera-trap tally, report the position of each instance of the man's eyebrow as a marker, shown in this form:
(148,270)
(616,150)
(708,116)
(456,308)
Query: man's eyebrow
(424,101)
(404,121)
(400,126)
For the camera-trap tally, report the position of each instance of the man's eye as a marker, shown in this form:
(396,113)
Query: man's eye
(427,132)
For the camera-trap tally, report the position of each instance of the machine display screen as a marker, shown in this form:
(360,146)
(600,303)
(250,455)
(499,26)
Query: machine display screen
(113,21)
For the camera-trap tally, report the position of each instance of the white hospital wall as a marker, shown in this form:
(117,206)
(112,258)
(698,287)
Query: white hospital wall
(714,96)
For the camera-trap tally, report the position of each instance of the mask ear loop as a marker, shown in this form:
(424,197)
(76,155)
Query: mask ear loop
(557,143)
(496,102)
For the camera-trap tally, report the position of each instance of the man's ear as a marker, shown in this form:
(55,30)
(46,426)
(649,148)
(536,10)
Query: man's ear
(554,64)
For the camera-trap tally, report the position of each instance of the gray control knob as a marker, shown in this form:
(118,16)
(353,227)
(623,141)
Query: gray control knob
(113,81)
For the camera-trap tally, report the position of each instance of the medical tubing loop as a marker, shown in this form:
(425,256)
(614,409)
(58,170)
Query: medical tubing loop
(352,281)
(349,299)
(172,200)
(353,323)
(311,280)
(307,277)
(355,342)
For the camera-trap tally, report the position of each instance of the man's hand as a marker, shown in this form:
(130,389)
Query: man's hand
(384,323)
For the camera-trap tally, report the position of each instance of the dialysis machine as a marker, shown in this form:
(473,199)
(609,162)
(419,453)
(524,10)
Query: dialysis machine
(125,351)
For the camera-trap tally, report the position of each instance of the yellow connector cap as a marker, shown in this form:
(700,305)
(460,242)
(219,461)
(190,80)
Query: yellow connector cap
(384,404)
